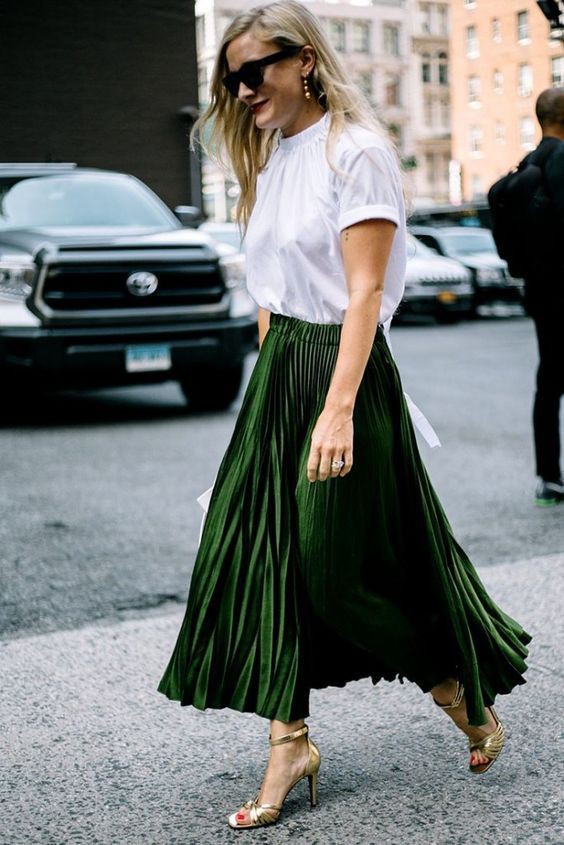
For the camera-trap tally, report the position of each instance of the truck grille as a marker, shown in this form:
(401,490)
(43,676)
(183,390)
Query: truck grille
(75,288)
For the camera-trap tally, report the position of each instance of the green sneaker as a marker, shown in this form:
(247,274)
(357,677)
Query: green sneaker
(549,493)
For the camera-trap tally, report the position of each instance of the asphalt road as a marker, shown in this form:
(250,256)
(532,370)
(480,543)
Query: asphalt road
(98,491)
(98,536)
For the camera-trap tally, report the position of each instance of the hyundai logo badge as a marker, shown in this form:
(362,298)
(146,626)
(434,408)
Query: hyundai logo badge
(142,283)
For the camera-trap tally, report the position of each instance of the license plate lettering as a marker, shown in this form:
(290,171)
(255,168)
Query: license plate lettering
(142,359)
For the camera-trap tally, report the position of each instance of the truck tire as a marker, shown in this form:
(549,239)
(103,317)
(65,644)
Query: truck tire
(211,388)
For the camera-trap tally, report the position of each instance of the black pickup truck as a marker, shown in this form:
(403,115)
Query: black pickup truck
(101,285)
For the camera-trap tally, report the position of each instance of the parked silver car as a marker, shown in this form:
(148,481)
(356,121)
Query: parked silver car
(435,286)
(475,247)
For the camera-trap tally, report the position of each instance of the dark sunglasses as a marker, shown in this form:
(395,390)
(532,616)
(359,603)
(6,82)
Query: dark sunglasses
(250,73)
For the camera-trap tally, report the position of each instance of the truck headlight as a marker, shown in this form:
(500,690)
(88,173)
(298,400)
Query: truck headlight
(16,277)
(488,274)
(233,269)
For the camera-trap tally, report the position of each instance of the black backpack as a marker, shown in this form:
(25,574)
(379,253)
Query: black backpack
(524,220)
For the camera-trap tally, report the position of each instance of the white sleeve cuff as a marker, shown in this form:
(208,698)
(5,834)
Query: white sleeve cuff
(368,212)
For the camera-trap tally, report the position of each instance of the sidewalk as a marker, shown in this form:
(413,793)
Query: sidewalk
(94,756)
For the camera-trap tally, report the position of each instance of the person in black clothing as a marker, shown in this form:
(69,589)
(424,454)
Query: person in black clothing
(544,300)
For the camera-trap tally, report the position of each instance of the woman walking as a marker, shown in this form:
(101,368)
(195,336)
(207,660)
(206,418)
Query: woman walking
(316,568)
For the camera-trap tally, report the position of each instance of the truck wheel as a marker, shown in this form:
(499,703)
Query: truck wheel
(212,388)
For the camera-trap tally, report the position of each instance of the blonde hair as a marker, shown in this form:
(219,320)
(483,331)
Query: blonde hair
(233,140)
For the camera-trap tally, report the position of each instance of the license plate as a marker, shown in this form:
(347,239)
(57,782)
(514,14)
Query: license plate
(141,359)
(447,297)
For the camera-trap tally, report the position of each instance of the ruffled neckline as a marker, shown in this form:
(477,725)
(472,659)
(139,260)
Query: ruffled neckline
(306,136)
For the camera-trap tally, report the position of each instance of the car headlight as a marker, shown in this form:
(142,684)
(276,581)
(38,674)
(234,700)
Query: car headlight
(233,268)
(16,277)
(488,274)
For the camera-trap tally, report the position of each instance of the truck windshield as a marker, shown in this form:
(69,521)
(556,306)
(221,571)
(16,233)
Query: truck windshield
(91,200)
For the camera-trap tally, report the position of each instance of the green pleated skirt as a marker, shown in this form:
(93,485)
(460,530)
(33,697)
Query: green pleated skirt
(300,585)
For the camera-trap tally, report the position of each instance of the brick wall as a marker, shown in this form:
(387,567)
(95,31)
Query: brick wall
(101,83)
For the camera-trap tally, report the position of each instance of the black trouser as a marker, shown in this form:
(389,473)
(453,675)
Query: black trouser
(549,323)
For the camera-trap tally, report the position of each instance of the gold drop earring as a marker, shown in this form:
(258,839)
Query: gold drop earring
(307,92)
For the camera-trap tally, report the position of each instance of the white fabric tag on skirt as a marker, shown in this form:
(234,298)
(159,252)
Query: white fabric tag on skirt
(204,502)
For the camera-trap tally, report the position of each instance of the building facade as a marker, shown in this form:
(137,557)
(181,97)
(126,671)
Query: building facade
(430,83)
(105,84)
(374,40)
(502,57)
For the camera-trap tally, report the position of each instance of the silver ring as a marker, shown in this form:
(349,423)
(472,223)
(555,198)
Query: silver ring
(337,464)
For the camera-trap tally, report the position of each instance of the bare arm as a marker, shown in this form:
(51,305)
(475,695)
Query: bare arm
(366,249)
(263,324)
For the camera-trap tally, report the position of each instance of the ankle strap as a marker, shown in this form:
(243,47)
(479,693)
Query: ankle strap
(458,696)
(288,737)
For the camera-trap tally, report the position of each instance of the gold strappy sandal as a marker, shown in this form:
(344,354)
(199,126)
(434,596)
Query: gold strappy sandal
(263,814)
(490,746)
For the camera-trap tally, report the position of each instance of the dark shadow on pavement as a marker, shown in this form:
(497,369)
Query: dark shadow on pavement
(93,407)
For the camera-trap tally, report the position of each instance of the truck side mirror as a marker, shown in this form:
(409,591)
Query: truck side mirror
(189,215)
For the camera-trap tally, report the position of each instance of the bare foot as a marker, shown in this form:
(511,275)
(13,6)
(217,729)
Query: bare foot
(286,764)
(443,694)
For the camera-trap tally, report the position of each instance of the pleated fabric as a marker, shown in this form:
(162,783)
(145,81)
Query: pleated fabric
(300,585)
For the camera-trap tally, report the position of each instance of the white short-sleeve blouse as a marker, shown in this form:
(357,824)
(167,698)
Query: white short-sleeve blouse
(294,261)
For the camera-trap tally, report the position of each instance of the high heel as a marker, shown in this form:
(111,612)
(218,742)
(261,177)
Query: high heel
(490,746)
(264,814)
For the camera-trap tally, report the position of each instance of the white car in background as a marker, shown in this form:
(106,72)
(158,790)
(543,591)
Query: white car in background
(474,247)
(435,286)
(224,233)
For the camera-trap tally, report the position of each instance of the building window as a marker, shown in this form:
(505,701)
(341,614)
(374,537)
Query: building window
(201,32)
(444,111)
(498,82)
(443,68)
(525,81)
(337,35)
(557,71)
(425,67)
(473,90)
(496,30)
(442,12)
(428,111)
(203,85)
(361,36)
(364,81)
(469,4)
(500,132)
(472,49)
(475,139)
(522,26)
(391,39)
(392,94)
(430,168)
(425,11)
(476,184)
(527,132)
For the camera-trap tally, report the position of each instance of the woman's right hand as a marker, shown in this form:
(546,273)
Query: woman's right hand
(331,440)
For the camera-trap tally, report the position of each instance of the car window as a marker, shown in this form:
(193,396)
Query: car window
(82,201)
(415,247)
(429,241)
(469,243)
